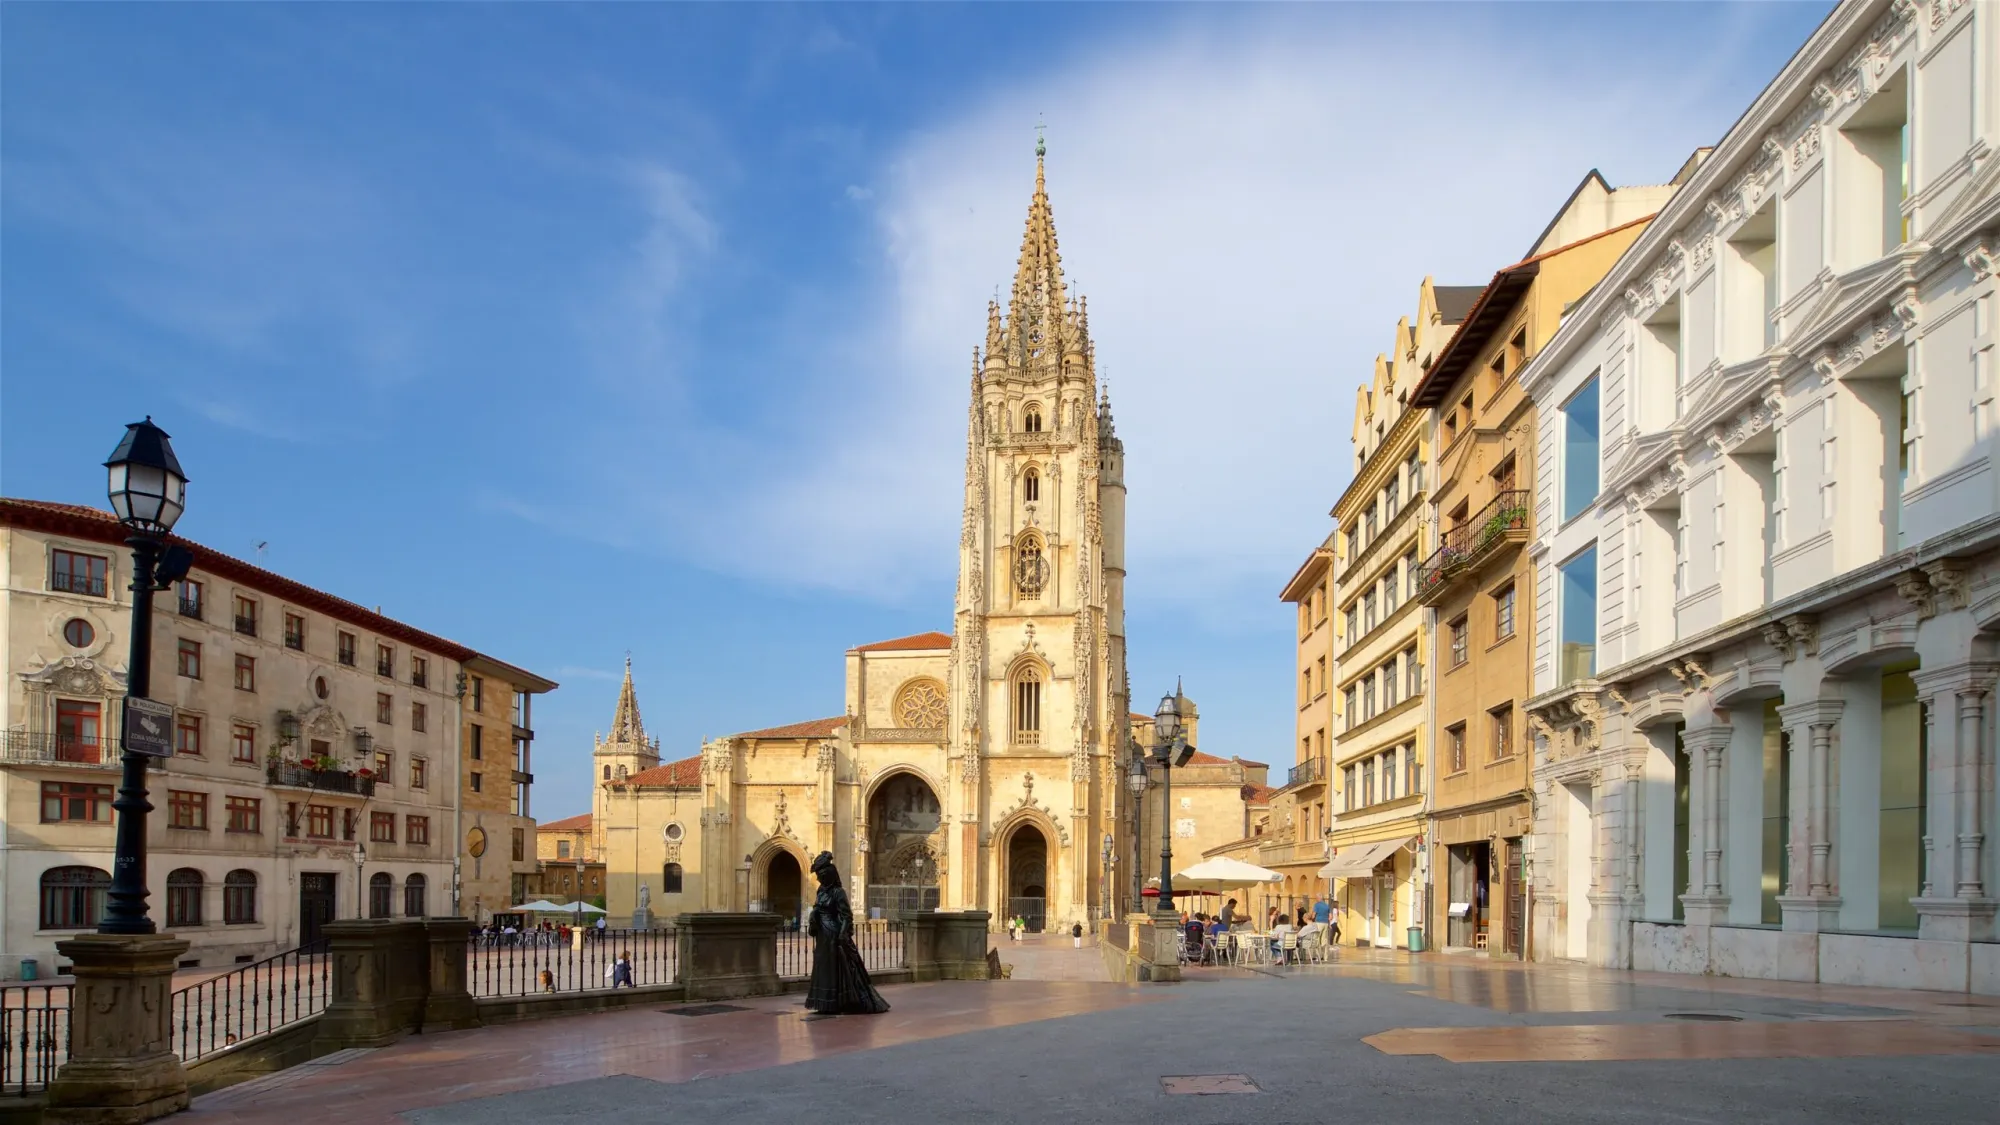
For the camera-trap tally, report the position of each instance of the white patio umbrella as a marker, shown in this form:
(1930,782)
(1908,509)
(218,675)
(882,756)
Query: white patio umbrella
(544,906)
(1223,874)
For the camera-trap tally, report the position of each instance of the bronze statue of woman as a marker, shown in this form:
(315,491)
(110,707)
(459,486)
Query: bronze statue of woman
(840,983)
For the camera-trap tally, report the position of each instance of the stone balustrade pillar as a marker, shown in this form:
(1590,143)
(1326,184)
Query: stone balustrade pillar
(448,1003)
(122,1066)
(381,977)
(724,956)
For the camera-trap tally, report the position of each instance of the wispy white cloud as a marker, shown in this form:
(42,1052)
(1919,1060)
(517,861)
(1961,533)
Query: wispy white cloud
(1249,217)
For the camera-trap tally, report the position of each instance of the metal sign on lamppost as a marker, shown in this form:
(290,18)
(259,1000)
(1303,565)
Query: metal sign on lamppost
(148,491)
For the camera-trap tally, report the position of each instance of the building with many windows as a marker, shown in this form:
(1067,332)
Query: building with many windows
(1767,539)
(315,774)
(1373,817)
(1477,582)
(496,826)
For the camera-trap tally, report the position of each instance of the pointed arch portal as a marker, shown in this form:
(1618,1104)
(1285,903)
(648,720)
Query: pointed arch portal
(905,845)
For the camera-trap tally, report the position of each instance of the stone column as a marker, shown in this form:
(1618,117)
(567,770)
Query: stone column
(1956,904)
(122,1066)
(1609,944)
(1705,903)
(1811,901)
(448,1004)
(381,973)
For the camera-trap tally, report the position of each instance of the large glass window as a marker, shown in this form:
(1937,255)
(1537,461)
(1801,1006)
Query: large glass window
(1777,821)
(1902,825)
(1578,606)
(1580,451)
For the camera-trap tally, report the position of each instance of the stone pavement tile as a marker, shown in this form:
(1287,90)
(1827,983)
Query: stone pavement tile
(434,1070)
(1631,1041)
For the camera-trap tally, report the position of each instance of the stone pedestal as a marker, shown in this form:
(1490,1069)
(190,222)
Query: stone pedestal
(1705,910)
(1956,919)
(642,919)
(728,955)
(448,1003)
(122,1068)
(1158,942)
(381,974)
(959,943)
(1809,914)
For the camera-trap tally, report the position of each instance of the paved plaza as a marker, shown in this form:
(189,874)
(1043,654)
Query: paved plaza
(1375,1038)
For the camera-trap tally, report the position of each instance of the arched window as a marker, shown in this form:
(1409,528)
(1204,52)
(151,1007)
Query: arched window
(239,898)
(1031,570)
(1028,707)
(1031,418)
(184,897)
(1031,486)
(607,773)
(415,890)
(381,894)
(73,897)
(670,879)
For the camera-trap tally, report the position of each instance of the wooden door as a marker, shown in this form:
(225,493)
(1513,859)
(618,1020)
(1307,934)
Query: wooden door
(1517,898)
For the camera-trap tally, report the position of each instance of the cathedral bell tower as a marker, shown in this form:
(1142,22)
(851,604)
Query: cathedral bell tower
(620,754)
(1038,706)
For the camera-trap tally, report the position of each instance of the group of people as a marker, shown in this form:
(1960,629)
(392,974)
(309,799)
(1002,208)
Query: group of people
(1204,933)
(496,932)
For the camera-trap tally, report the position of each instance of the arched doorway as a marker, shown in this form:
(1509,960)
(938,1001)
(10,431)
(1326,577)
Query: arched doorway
(905,838)
(785,884)
(1028,876)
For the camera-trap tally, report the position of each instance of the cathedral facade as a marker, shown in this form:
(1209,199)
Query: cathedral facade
(977,769)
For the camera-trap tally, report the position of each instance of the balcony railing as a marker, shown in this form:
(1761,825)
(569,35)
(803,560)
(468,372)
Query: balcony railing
(295,641)
(1504,520)
(1298,851)
(385,668)
(19,747)
(324,781)
(1305,773)
(420,679)
(347,657)
(70,583)
(246,625)
(190,607)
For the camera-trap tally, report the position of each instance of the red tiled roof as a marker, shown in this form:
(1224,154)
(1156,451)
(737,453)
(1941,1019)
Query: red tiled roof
(684,774)
(1138,718)
(900,644)
(815,728)
(579,823)
(1258,794)
(1203,758)
(102,527)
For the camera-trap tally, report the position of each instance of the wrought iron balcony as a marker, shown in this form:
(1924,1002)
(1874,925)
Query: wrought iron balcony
(1503,521)
(299,776)
(1305,773)
(44,748)
(246,624)
(190,607)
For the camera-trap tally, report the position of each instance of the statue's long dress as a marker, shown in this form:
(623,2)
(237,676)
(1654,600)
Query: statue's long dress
(840,981)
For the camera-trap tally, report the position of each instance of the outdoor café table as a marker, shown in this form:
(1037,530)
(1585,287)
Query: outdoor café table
(1259,944)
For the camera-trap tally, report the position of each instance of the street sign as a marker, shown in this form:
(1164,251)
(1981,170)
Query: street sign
(149,727)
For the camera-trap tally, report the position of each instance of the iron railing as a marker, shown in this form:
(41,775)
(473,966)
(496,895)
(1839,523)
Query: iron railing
(880,943)
(1304,773)
(385,668)
(34,1035)
(501,964)
(251,1000)
(1504,519)
(323,781)
(71,583)
(246,624)
(49,748)
(296,641)
(190,607)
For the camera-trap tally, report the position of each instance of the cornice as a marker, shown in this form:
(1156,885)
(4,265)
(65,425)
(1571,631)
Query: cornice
(1392,452)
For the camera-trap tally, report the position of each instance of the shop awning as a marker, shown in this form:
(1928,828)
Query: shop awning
(1360,860)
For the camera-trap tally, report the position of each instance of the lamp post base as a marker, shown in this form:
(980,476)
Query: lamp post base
(122,1067)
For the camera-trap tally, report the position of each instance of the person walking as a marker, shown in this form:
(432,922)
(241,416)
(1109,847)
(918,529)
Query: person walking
(621,971)
(1322,911)
(1076,934)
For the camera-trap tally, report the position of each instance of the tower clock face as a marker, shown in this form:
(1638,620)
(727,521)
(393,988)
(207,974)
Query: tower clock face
(1030,572)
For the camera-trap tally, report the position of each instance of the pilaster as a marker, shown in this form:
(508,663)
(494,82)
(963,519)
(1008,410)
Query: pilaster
(1956,904)
(1705,903)
(1811,903)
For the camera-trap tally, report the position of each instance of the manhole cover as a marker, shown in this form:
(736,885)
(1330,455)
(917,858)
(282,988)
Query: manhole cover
(1209,1084)
(1704,1017)
(704,1010)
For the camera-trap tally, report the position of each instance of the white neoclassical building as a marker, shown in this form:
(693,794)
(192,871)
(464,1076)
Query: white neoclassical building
(1768,550)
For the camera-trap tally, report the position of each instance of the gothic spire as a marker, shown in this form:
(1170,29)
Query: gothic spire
(625,724)
(1035,311)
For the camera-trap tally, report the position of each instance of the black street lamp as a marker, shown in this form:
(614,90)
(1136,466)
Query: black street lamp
(1170,749)
(148,491)
(1137,782)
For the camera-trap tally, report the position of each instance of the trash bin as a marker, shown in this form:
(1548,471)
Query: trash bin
(29,970)
(1416,937)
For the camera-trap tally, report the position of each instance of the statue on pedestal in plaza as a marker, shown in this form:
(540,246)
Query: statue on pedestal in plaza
(840,983)
(642,918)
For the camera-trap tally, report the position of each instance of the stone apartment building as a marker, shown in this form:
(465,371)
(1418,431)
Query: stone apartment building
(1477,583)
(1373,820)
(496,826)
(316,776)
(1766,539)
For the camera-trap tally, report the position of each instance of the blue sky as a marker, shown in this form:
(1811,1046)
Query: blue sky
(569,330)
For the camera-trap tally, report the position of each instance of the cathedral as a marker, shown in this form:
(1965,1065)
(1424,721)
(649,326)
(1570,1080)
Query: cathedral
(978,769)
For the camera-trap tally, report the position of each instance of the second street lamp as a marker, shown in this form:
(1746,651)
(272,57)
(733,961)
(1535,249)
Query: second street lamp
(148,491)
(1137,782)
(1170,749)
